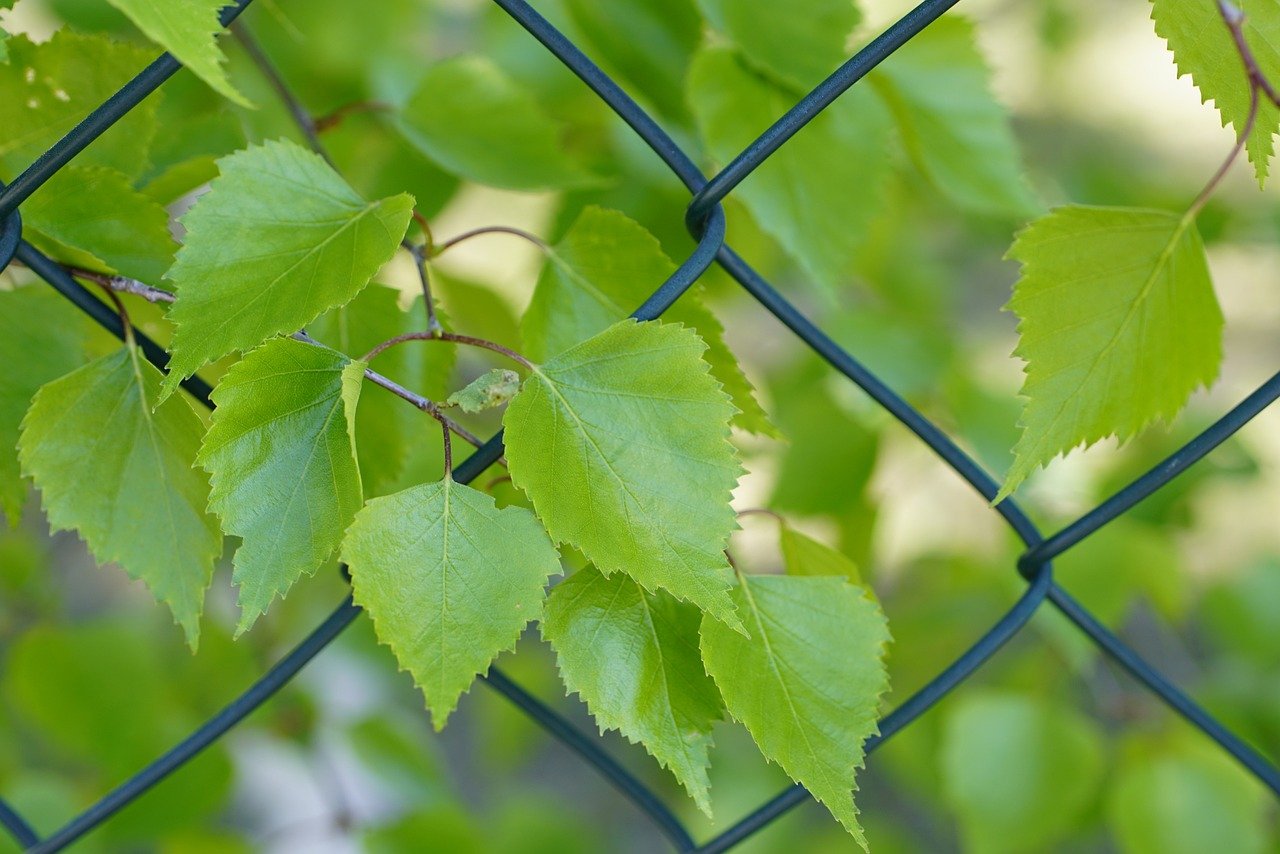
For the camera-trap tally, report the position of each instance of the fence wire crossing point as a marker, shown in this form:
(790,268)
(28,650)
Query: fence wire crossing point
(706,222)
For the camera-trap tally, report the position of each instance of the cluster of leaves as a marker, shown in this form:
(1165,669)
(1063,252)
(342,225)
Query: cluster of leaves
(618,434)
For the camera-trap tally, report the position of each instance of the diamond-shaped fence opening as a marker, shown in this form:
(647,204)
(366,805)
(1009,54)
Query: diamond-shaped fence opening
(706,221)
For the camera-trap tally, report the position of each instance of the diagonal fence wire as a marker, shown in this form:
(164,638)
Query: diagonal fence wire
(706,223)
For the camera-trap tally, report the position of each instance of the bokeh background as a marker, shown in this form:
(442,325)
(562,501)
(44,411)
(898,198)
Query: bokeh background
(1048,747)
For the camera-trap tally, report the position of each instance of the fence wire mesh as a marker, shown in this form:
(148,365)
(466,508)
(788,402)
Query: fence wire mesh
(705,220)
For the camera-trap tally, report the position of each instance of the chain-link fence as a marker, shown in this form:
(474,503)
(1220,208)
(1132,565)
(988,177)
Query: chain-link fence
(706,221)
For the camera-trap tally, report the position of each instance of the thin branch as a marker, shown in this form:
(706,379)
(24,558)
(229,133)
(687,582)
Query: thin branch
(430,249)
(331,120)
(1214,182)
(448,453)
(450,337)
(506,478)
(763,511)
(491,229)
(120,309)
(419,254)
(122,284)
(301,116)
(427,406)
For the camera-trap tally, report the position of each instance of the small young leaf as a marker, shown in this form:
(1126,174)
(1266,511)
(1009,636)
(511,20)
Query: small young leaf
(386,426)
(282,464)
(450,581)
(477,122)
(92,217)
(47,88)
(807,683)
(1203,48)
(803,555)
(938,88)
(42,337)
(633,657)
(117,468)
(799,42)
(278,239)
(188,30)
(490,389)
(1119,325)
(601,271)
(622,445)
(818,193)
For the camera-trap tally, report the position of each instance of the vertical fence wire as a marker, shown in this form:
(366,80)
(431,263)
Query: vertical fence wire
(706,222)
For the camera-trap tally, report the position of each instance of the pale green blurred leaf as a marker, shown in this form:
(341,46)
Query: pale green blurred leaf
(479,123)
(647,42)
(800,42)
(1017,770)
(938,88)
(818,193)
(1186,799)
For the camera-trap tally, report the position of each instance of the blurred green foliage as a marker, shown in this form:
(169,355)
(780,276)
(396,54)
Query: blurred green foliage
(1049,747)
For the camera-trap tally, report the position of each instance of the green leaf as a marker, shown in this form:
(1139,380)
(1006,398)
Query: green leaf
(477,122)
(187,29)
(1017,771)
(1187,798)
(1203,48)
(807,683)
(633,657)
(648,43)
(117,468)
(42,337)
(604,267)
(818,193)
(278,239)
(47,88)
(92,217)
(1119,325)
(938,88)
(386,426)
(491,389)
(803,555)
(621,443)
(281,458)
(800,42)
(450,581)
